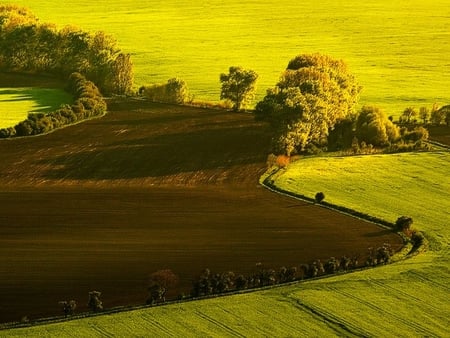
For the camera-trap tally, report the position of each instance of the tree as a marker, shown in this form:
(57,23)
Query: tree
(437,116)
(320,196)
(424,114)
(94,302)
(445,111)
(68,307)
(314,93)
(177,91)
(373,127)
(120,79)
(159,282)
(238,86)
(409,113)
(403,223)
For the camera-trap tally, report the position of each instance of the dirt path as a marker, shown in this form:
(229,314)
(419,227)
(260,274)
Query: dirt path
(103,204)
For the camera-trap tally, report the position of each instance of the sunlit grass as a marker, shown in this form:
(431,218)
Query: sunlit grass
(385,186)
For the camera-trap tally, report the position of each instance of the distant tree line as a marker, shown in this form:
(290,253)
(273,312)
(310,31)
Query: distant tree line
(436,116)
(28,46)
(88,103)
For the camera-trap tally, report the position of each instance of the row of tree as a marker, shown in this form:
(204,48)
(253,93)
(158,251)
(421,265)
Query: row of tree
(312,107)
(435,116)
(26,45)
(88,103)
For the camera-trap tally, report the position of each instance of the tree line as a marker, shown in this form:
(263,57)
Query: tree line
(29,46)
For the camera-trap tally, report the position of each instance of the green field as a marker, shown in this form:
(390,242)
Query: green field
(398,50)
(405,299)
(17,102)
(385,186)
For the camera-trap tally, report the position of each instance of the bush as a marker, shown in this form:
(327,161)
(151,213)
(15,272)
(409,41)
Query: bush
(94,302)
(68,307)
(403,223)
(174,91)
(320,196)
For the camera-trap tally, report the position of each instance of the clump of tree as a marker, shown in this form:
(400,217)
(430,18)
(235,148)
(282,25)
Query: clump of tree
(88,103)
(174,91)
(374,127)
(314,93)
(159,282)
(68,307)
(380,255)
(238,86)
(29,46)
(94,302)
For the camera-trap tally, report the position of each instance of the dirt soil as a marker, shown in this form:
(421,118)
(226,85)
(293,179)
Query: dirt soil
(102,204)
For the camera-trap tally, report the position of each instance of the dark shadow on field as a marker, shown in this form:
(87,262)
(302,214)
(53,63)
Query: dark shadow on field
(165,154)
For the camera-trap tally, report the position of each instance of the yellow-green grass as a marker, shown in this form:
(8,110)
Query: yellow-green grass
(17,102)
(385,186)
(405,299)
(398,50)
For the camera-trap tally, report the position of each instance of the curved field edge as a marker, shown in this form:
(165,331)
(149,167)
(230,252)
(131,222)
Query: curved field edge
(404,299)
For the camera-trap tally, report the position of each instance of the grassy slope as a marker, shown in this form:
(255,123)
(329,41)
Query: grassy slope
(398,50)
(405,299)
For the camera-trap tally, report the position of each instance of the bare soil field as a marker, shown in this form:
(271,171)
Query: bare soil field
(102,204)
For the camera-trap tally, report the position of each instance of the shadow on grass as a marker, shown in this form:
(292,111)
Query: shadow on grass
(45,99)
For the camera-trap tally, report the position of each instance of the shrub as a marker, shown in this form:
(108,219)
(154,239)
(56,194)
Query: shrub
(94,302)
(68,307)
(403,223)
(174,91)
(320,196)
(159,282)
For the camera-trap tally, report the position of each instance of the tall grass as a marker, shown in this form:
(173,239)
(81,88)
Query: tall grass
(397,49)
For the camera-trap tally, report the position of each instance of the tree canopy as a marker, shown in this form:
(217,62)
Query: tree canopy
(313,94)
(238,86)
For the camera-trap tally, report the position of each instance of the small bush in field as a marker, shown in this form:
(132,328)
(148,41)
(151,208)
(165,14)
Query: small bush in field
(320,196)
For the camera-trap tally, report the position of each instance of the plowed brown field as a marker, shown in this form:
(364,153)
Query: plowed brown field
(102,204)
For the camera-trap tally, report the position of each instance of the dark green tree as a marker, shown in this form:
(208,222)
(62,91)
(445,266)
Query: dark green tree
(238,86)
